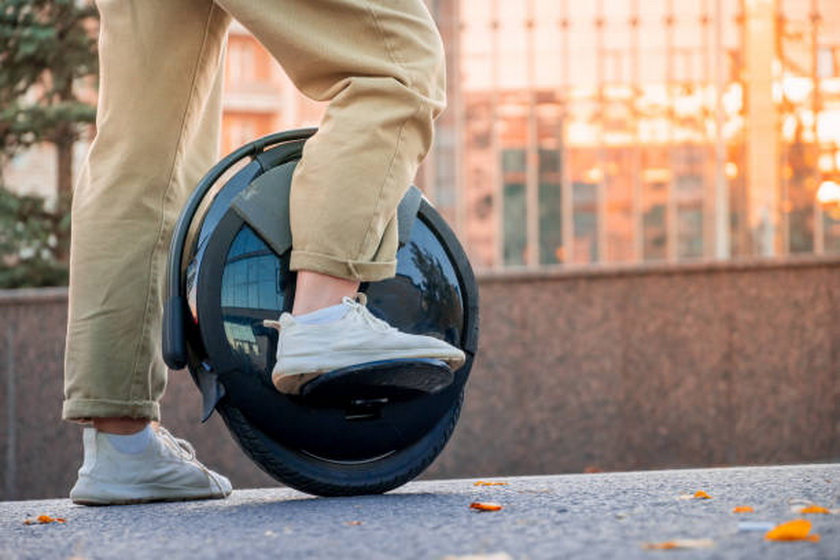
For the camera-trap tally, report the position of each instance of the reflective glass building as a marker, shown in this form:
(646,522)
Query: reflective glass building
(628,131)
(604,131)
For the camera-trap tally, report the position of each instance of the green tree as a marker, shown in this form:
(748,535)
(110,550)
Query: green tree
(47,50)
(33,242)
(46,47)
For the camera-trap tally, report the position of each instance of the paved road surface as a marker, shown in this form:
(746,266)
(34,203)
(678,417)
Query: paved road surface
(602,516)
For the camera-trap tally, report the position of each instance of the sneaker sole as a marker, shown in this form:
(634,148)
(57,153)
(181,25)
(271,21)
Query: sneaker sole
(389,379)
(136,501)
(291,383)
(122,496)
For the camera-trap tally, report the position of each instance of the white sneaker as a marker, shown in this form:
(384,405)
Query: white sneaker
(306,351)
(166,471)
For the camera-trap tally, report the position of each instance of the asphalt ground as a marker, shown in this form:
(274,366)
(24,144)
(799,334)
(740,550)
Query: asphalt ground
(603,515)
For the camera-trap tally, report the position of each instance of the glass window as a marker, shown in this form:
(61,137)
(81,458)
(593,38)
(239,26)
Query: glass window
(585,199)
(656,179)
(689,193)
(513,161)
(514,224)
(831,227)
(551,232)
(689,164)
(550,177)
(585,176)
(513,47)
(477,37)
(618,180)
(583,43)
(513,137)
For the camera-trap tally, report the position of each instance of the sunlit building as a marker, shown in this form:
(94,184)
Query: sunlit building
(620,131)
(259,98)
(615,131)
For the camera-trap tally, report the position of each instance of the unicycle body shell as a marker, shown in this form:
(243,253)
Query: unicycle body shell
(229,270)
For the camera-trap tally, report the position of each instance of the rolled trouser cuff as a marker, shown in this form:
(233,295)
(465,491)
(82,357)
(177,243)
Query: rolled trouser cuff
(362,271)
(85,409)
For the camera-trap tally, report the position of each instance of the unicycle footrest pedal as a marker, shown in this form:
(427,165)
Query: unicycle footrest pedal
(382,381)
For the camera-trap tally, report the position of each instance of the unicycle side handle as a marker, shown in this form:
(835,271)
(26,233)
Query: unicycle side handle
(174,337)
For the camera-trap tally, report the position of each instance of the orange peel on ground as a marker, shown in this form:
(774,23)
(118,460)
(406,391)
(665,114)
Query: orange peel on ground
(699,495)
(487,483)
(43,520)
(796,530)
(743,509)
(667,545)
(485,506)
(814,508)
(679,543)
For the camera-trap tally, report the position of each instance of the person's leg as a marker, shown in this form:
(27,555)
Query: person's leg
(314,291)
(159,73)
(158,113)
(380,65)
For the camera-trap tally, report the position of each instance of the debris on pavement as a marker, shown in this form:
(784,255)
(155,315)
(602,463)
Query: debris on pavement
(743,509)
(43,520)
(485,506)
(699,495)
(796,530)
(680,543)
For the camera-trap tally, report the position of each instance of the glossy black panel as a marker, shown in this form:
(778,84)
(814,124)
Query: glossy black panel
(256,284)
(222,201)
(209,219)
(425,296)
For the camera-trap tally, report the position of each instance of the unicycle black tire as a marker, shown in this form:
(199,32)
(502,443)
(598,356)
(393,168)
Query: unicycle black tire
(322,478)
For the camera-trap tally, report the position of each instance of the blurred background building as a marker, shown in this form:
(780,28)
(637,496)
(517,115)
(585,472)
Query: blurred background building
(611,131)
(621,131)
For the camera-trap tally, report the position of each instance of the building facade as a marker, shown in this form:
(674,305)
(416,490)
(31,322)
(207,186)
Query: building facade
(611,131)
(259,98)
(619,131)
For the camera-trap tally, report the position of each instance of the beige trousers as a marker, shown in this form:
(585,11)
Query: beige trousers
(379,63)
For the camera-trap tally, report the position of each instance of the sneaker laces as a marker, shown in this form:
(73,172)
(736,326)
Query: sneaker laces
(359,305)
(356,303)
(182,447)
(186,451)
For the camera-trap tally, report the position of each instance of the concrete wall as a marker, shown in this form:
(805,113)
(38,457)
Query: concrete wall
(625,368)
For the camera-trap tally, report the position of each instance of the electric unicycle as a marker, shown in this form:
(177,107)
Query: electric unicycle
(229,271)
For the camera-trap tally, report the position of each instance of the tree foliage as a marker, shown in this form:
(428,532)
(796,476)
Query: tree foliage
(47,49)
(33,242)
(46,46)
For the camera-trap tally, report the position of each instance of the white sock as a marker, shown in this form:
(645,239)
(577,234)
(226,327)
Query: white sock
(322,316)
(132,444)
